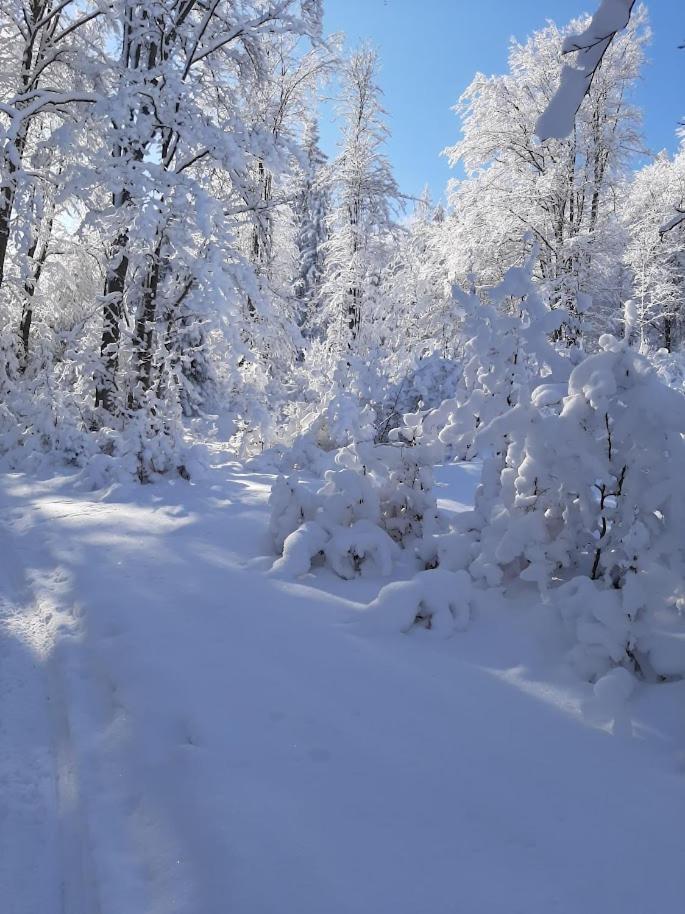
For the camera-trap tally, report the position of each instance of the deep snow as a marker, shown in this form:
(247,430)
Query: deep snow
(181,732)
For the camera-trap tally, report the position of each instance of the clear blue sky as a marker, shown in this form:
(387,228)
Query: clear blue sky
(430,50)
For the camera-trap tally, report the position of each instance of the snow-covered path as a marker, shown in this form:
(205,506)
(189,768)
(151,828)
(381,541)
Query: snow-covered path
(29,874)
(182,734)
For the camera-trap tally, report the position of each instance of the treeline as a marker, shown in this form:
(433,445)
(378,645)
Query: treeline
(175,244)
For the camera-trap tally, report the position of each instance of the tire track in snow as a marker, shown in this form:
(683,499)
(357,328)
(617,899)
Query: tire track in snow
(44,849)
(29,826)
(29,872)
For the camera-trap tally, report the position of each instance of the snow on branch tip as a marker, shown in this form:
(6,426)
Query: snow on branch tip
(556,121)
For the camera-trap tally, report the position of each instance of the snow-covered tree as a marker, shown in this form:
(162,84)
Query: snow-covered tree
(656,259)
(44,91)
(165,136)
(415,321)
(277,101)
(311,211)
(505,353)
(140,177)
(361,223)
(585,500)
(560,194)
(589,47)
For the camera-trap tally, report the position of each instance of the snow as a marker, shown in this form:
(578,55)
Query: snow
(185,733)
(29,870)
(266,645)
(611,17)
(672,223)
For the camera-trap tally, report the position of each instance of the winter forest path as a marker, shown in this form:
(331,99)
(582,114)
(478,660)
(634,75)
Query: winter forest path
(182,734)
(28,775)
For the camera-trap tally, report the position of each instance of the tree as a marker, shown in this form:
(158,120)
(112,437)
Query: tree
(361,223)
(43,44)
(168,141)
(560,194)
(311,211)
(505,354)
(415,318)
(40,43)
(592,496)
(145,183)
(277,103)
(656,259)
(590,47)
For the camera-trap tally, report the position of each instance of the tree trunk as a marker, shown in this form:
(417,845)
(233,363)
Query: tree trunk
(8,192)
(113,312)
(145,322)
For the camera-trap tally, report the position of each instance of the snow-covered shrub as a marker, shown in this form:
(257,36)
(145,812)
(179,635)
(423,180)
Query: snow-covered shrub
(293,502)
(48,418)
(609,703)
(507,352)
(375,499)
(44,417)
(592,498)
(422,386)
(360,548)
(670,366)
(437,600)
(151,441)
(343,421)
(339,521)
(334,529)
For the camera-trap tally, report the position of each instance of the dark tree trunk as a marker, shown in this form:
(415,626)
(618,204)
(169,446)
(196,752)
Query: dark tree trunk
(36,256)
(145,322)
(7,197)
(112,315)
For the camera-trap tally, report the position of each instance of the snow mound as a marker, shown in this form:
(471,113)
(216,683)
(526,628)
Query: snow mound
(440,601)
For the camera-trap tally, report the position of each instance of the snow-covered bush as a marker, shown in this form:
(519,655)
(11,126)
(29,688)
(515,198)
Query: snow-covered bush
(437,600)
(670,366)
(9,368)
(44,417)
(338,524)
(343,421)
(47,418)
(507,352)
(592,499)
(423,384)
(375,499)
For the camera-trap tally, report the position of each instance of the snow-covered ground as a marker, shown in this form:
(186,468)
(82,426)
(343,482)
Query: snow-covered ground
(181,732)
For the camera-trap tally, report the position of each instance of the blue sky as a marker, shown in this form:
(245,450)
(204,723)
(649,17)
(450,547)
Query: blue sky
(430,50)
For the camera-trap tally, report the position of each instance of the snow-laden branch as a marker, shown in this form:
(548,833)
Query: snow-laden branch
(556,121)
(25,107)
(674,222)
(200,53)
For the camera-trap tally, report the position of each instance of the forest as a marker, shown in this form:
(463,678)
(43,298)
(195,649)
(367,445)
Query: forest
(280,442)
